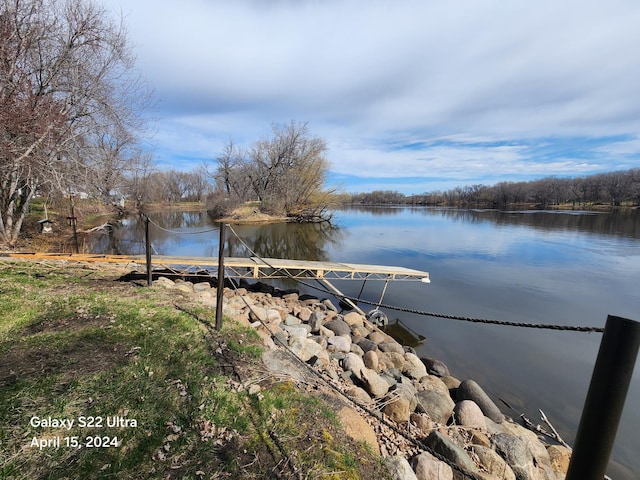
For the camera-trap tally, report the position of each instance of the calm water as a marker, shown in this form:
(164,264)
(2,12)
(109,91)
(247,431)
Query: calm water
(570,268)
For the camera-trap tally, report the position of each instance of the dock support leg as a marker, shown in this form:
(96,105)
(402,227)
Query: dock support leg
(342,296)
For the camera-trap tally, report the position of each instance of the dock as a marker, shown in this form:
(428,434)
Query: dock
(254,268)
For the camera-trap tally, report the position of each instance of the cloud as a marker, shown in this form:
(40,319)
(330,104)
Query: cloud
(555,79)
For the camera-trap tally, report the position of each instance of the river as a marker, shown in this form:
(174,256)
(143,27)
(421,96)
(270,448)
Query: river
(551,267)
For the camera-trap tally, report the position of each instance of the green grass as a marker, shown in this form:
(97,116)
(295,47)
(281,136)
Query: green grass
(74,345)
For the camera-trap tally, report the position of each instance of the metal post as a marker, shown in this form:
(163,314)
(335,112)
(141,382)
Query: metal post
(74,224)
(605,399)
(147,247)
(220,291)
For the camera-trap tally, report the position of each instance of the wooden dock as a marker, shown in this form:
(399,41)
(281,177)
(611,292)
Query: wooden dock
(249,267)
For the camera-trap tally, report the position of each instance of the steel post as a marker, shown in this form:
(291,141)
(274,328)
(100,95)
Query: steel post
(605,399)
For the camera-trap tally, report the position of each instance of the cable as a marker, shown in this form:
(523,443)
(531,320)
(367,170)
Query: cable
(568,328)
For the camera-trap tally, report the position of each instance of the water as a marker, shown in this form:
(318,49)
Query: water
(566,268)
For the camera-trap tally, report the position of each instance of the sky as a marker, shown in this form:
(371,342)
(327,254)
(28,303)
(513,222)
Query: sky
(409,95)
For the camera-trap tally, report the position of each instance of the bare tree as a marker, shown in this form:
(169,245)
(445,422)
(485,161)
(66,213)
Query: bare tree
(285,172)
(65,96)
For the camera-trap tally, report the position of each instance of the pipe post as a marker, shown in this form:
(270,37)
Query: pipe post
(220,290)
(605,399)
(147,247)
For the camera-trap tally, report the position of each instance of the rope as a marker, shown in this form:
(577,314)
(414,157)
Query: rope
(178,232)
(568,328)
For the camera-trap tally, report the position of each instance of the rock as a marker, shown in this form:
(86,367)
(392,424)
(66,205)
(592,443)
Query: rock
(297,331)
(304,314)
(370,359)
(560,457)
(439,407)
(442,445)
(291,320)
(413,367)
(431,382)
(400,402)
(356,349)
(428,467)
(367,345)
(354,319)
(329,304)
(357,428)
(468,414)
(304,348)
(515,452)
(374,383)
(273,316)
(338,343)
(435,367)
(258,313)
(389,347)
(470,390)
(422,421)
(359,394)
(378,337)
(339,327)
(397,408)
(183,287)
(201,287)
(360,331)
(535,446)
(164,282)
(493,463)
(283,363)
(399,468)
(450,382)
(388,360)
(316,319)
(354,364)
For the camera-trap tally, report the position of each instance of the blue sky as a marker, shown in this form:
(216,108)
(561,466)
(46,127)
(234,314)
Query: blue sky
(410,95)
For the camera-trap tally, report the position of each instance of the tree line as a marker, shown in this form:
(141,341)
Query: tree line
(611,188)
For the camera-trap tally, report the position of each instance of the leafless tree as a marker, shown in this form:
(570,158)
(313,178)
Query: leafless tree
(285,172)
(66,102)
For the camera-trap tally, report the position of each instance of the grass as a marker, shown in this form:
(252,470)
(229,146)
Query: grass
(75,344)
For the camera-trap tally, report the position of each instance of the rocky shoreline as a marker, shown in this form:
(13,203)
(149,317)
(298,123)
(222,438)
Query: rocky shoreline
(415,397)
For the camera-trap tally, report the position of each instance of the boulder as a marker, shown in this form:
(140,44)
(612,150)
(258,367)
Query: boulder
(468,414)
(413,367)
(339,343)
(515,452)
(435,367)
(493,463)
(339,327)
(428,467)
(470,390)
(354,319)
(374,384)
(316,320)
(399,468)
(443,445)
(370,359)
(439,407)
(354,364)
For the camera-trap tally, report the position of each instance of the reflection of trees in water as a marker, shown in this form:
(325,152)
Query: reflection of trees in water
(622,222)
(275,240)
(376,211)
(284,240)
